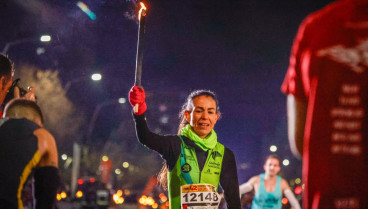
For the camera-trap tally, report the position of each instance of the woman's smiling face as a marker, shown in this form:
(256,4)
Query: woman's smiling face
(202,116)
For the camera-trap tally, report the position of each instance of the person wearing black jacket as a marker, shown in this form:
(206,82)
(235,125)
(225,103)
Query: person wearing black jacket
(211,163)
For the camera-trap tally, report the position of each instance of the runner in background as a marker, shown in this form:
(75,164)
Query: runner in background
(269,187)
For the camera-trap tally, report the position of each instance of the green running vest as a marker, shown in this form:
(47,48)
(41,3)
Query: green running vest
(186,171)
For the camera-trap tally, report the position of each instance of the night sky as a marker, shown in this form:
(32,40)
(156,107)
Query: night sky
(237,48)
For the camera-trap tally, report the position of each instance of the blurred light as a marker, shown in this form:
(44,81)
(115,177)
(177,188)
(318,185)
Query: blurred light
(157,130)
(79,194)
(40,50)
(286,162)
(105,158)
(92,180)
(125,164)
(142,200)
(64,156)
(167,203)
(117,171)
(80,181)
(68,162)
(273,148)
(164,119)
(45,38)
(96,77)
(115,197)
(155,205)
(122,100)
(86,10)
(119,192)
(63,195)
(150,201)
(127,191)
(163,199)
(162,108)
(58,197)
(298,190)
(118,199)
(244,166)
(298,180)
(284,200)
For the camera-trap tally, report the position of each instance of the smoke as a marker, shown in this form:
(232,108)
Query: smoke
(132,10)
(62,118)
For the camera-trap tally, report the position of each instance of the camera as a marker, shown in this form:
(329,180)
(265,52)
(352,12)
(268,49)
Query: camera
(10,95)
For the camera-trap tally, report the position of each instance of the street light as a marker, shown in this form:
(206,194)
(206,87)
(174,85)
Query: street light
(97,111)
(43,38)
(77,147)
(94,77)
(273,148)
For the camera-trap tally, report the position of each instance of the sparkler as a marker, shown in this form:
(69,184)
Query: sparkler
(139,55)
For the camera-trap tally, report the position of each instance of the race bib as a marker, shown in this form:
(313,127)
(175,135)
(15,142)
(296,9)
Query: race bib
(199,196)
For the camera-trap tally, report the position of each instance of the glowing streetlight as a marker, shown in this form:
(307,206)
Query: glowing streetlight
(125,164)
(64,156)
(96,76)
(45,38)
(122,100)
(105,158)
(273,148)
(298,181)
(117,171)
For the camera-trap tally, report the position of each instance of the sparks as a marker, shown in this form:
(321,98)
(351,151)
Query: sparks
(142,11)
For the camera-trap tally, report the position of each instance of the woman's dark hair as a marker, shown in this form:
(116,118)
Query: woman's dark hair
(187,106)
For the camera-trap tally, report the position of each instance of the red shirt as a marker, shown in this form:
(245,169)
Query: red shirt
(329,71)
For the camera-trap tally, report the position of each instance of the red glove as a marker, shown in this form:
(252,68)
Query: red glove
(137,96)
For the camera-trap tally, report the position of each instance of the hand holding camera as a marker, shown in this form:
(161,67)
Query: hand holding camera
(16,91)
(20,92)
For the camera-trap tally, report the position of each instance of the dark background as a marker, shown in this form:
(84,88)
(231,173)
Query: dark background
(237,48)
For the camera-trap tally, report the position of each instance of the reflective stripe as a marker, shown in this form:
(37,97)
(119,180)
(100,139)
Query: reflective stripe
(27,170)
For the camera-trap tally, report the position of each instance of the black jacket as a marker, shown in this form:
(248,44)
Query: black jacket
(169,149)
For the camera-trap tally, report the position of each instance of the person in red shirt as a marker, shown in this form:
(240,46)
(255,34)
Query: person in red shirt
(327,102)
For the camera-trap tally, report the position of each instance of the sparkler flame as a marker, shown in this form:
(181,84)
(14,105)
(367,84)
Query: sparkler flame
(142,10)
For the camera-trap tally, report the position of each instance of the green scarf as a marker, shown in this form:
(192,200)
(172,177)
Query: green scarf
(207,143)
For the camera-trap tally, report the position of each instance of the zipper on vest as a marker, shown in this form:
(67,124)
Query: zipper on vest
(205,163)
